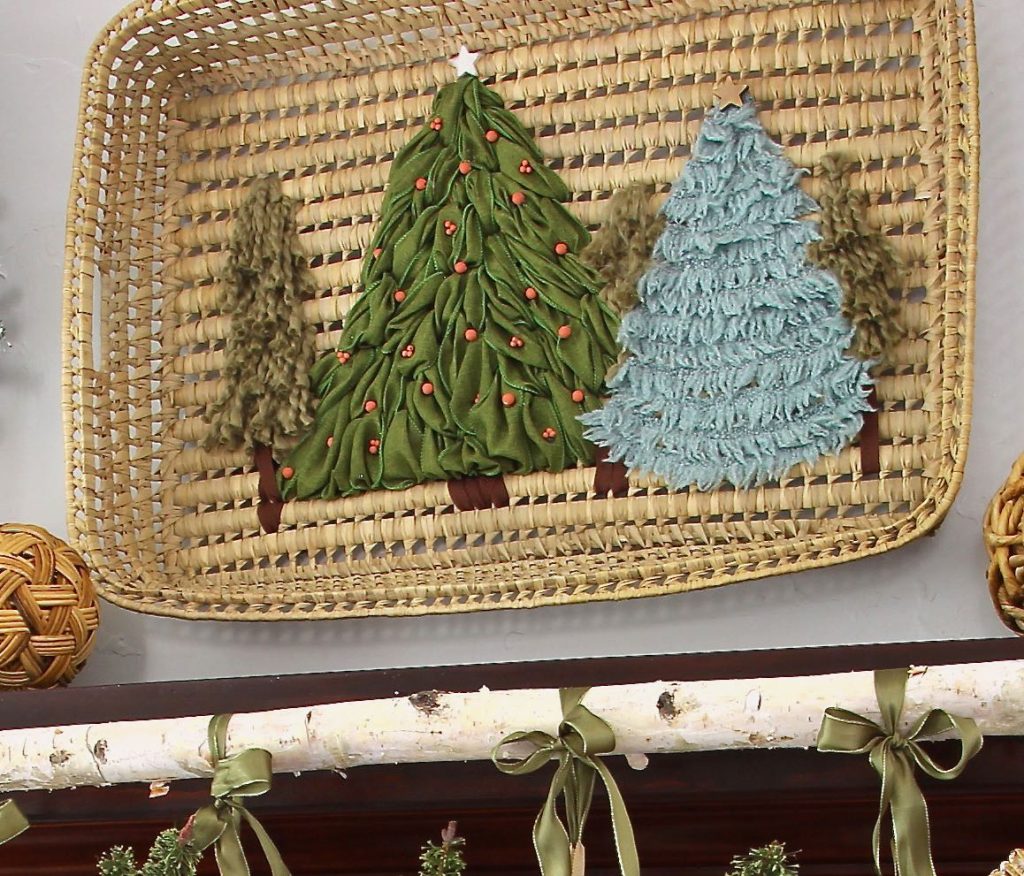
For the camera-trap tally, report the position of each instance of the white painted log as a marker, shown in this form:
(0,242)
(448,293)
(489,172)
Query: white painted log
(647,718)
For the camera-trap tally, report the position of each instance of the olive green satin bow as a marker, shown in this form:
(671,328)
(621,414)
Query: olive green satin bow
(246,774)
(12,822)
(582,736)
(894,755)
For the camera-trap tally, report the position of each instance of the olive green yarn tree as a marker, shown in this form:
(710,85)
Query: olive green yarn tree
(863,260)
(479,336)
(872,277)
(266,402)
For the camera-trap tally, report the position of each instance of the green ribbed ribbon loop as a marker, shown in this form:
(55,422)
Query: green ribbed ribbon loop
(12,822)
(582,737)
(894,756)
(246,774)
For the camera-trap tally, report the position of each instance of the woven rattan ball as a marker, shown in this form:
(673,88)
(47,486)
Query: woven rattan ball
(48,611)
(1012,866)
(1004,540)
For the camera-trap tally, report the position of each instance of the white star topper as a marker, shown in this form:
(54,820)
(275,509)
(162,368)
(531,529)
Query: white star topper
(465,62)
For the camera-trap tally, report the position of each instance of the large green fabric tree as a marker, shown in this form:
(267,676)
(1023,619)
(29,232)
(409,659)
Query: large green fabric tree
(479,337)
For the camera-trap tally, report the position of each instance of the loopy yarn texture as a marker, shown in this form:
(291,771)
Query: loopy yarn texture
(620,250)
(738,367)
(864,261)
(270,349)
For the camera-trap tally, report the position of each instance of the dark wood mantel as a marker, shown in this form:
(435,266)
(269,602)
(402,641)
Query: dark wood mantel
(691,812)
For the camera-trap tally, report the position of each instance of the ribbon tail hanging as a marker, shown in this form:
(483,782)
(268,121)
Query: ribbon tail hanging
(270,852)
(230,855)
(550,839)
(622,827)
(579,794)
(12,822)
(911,836)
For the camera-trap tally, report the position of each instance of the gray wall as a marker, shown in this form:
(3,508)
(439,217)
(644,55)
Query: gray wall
(934,588)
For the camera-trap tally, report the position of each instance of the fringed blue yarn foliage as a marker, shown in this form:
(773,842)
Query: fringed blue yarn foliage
(737,368)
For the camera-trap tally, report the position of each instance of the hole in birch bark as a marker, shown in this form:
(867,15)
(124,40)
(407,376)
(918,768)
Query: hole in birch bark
(667,705)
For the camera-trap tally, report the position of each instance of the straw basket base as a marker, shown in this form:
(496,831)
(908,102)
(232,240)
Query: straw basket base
(184,103)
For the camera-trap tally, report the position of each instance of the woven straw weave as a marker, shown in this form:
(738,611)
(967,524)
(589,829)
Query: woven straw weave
(184,102)
(48,611)
(1012,866)
(1003,529)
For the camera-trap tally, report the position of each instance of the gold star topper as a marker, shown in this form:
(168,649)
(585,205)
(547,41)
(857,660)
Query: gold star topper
(730,93)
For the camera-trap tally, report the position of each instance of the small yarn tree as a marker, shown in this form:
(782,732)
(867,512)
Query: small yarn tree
(864,261)
(738,367)
(479,336)
(267,400)
(620,249)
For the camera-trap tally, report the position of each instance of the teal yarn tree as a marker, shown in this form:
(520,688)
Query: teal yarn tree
(737,367)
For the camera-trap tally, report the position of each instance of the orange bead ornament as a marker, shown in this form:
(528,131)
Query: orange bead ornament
(577,395)
(508,399)
(530,294)
(370,406)
(399,295)
(287,472)
(421,183)
(518,198)
(561,248)
(465,167)
(427,388)
(564,331)
(471,334)
(330,440)
(491,136)
(461,267)
(376,252)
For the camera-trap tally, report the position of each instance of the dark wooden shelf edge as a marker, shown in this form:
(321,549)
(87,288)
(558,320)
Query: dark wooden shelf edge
(691,813)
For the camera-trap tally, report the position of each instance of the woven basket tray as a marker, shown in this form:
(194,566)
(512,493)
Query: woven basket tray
(184,102)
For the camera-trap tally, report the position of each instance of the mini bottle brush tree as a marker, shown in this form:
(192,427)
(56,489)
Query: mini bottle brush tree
(769,860)
(738,367)
(444,859)
(479,336)
(169,856)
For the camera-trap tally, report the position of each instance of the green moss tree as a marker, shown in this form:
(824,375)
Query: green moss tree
(865,262)
(444,858)
(479,336)
(169,856)
(769,860)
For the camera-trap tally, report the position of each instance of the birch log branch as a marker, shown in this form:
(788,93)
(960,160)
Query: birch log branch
(647,718)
